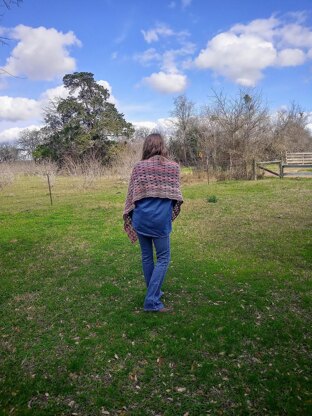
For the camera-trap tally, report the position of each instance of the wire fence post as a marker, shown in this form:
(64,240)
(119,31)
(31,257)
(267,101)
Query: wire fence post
(50,192)
(207,167)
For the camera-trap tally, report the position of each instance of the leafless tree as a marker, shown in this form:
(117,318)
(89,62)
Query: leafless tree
(4,6)
(8,152)
(184,120)
(233,129)
(28,141)
(290,130)
(7,4)
(140,133)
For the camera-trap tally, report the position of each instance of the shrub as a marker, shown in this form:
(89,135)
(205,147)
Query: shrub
(212,198)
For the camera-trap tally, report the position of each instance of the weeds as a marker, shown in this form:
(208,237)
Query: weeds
(212,199)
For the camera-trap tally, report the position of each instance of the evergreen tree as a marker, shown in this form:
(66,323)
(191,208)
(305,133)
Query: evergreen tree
(83,124)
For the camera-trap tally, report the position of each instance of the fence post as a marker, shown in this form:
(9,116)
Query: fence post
(281,169)
(254,169)
(207,167)
(50,192)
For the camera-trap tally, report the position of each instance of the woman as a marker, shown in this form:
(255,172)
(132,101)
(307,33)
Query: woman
(153,202)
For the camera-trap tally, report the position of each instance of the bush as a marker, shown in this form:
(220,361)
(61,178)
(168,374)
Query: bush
(212,199)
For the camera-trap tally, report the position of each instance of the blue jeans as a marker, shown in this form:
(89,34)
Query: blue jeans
(154,274)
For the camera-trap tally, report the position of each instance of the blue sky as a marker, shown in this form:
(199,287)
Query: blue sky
(148,52)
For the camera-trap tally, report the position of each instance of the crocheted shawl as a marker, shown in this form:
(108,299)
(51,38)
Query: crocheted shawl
(155,177)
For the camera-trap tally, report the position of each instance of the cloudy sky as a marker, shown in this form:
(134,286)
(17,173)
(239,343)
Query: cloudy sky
(147,52)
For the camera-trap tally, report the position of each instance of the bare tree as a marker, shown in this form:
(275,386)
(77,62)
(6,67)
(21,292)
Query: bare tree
(184,121)
(6,5)
(210,136)
(140,133)
(29,140)
(8,152)
(290,130)
(234,129)
(9,3)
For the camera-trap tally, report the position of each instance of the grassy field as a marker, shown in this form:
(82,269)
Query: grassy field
(74,339)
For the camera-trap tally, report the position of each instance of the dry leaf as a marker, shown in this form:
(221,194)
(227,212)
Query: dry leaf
(160,360)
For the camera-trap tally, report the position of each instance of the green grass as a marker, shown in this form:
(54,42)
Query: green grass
(74,339)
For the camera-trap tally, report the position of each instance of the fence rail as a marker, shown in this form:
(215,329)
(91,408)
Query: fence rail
(293,160)
(258,165)
(303,158)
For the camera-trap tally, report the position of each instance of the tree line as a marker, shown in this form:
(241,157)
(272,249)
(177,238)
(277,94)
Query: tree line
(228,133)
(224,135)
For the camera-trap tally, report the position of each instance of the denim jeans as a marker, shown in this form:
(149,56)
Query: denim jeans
(154,274)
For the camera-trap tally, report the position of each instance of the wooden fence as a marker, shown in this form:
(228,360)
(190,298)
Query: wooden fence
(292,160)
(298,159)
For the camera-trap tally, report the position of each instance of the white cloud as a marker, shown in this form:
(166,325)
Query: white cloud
(62,92)
(147,124)
(243,52)
(185,3)
(161,124)
(153,35)
(264,28)
(18,108)
(169,57)
(187,64)
(166,123)
(166,82)
(167,60)
(290,57)
(52,93)
(107,85)
(296,35)
(12,134)
(162,30)
(169,79)
(41,53)
(239,58)
(148,56)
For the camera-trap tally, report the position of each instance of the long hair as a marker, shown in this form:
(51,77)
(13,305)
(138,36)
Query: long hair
(154,145)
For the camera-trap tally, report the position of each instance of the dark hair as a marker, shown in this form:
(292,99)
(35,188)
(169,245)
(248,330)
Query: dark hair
(154,144)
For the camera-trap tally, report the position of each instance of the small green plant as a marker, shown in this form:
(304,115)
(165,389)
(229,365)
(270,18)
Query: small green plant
(212,198)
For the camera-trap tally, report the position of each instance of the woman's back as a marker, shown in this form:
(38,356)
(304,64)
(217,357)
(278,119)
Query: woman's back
(152,216)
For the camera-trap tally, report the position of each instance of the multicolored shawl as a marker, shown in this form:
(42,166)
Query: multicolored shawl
(155,177)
